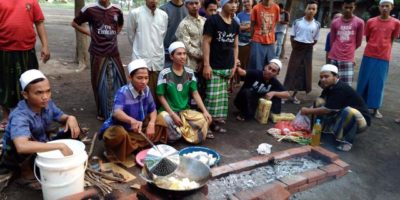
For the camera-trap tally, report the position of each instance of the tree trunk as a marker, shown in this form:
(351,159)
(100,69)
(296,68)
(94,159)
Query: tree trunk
(82,43)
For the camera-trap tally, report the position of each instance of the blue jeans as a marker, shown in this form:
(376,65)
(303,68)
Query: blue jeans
(279,42)
(260,55)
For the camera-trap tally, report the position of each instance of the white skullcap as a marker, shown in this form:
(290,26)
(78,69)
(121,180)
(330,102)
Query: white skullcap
(136,64)
(277,62)
(329,68)
(188,1)
(223,2)
(175,45)
(29,76)
(385,1)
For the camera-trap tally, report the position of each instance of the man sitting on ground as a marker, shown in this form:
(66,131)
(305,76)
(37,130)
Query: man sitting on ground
(343,111)
(134,110)
(26,133)
(260,84)
(174,87)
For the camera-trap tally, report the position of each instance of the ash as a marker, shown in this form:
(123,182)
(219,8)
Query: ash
(223,188)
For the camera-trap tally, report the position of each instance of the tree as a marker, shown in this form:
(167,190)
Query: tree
(82,42)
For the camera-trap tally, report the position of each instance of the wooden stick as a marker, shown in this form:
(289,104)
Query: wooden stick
(92,144)
(111,178)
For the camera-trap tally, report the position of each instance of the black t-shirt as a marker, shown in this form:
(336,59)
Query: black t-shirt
(342,95)
(222,43)
(255,81)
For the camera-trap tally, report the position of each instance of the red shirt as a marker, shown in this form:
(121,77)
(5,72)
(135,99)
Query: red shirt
(265,19)
(380,34)
(16,24)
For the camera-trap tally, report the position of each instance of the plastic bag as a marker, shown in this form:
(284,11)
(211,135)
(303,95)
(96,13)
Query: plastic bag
(301,123)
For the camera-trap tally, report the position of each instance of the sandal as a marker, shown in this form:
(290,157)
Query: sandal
(240,118)
(32,184)
(218,129)
(100,118)
(345,146)
(397,120)
(210,135)
(220,121)
(3,125)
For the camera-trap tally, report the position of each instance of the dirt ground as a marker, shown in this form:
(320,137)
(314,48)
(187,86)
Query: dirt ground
(374,159)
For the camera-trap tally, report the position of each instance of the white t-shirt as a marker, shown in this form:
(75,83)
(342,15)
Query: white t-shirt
(305,31)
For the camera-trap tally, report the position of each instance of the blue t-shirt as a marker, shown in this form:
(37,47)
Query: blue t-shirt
(136,105)
(244,37)
(23,122)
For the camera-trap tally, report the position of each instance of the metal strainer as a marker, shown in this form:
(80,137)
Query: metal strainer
(161,159)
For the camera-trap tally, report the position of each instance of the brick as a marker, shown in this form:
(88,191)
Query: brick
(325,154)
(293,181)
(332,169)
(277,182)
(262,159)
(221,171)
(341,174)
(299,151)
(326,179)
(264,192)
(243,165)
(306,186)
(281,155)
(314,175)
(342,164)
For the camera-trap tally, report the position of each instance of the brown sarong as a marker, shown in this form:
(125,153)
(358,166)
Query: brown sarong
(122,143)
(299,72)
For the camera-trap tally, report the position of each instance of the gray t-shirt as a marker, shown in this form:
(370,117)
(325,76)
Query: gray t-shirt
(175,15)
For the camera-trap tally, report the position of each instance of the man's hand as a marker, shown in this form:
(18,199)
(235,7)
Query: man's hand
(305,111)
(150,130)
(177,119)
(136,125)
(44,54)
(208,117)
(270,95)
(72,125)
(65,150)
(207,72)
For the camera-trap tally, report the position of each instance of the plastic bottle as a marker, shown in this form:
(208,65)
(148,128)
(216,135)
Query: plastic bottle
(316,133)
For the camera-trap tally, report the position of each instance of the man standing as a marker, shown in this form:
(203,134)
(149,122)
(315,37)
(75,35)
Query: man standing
(146,29)
(346,36)
(190,32)
(220,50)
(176,11)
(280,30)
(380,33)
(264,16)
(304,36)
(260,84)
(107,73)
(17,48)
(210,8)
(245,35)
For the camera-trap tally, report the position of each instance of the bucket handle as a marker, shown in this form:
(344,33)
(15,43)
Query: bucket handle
(60,185)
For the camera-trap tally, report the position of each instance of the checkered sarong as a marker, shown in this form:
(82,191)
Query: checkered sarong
(217,93)
(346,70)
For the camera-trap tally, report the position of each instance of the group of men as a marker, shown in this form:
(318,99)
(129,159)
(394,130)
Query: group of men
(180,57)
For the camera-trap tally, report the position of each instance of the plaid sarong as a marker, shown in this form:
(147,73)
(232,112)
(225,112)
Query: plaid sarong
(12,65)
(346,70)
(217,93)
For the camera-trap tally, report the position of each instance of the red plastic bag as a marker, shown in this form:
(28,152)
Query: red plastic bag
(301,123)
(285,127)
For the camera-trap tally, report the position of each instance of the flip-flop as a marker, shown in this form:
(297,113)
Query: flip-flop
(210,135)
(240,118)
(397,120)
(32,184)
(220,121)
(344,146)
(218,129)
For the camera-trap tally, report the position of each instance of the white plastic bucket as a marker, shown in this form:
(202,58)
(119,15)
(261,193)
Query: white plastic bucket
(62,176)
